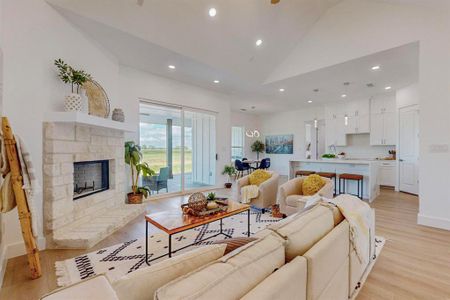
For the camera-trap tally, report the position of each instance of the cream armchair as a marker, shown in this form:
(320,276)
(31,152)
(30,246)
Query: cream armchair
(291,198)
(267,191)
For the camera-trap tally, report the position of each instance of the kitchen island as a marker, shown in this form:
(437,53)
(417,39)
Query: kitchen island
(368,168)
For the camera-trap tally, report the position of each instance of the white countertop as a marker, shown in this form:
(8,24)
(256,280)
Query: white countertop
(339,161)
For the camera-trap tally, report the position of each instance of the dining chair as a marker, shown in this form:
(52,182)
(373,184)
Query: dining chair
(265,163)
(240,168)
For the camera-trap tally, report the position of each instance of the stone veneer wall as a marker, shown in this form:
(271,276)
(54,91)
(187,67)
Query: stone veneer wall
(64,144)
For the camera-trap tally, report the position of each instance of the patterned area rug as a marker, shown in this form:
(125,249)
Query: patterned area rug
(118,260)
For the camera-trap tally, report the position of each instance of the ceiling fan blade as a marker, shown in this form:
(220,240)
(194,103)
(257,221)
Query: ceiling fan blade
(140,2)
(274,1)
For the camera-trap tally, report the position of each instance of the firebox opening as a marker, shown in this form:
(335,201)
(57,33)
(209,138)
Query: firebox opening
(90,177)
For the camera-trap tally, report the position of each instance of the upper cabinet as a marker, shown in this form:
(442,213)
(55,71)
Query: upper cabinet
(357,117)
(382,105)
(383,122)
(335,127)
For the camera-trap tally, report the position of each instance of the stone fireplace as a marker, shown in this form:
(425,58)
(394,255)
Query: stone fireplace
(84,184)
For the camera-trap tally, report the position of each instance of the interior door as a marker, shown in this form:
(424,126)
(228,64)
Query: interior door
(409,150)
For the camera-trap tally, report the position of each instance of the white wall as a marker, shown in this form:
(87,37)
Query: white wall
(249,122)
(408,96)
(355,28)
(291,122)
(34,34)
(137,84)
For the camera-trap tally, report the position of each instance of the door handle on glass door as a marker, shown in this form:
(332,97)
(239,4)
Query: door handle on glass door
(400,159)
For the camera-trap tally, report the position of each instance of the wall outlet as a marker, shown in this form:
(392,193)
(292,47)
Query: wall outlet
(438,148)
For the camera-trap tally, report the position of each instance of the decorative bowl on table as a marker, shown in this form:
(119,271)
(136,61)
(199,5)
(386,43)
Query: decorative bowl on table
(198,205)
(197,201)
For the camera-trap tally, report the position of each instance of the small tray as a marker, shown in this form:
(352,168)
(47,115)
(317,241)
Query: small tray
(223,206)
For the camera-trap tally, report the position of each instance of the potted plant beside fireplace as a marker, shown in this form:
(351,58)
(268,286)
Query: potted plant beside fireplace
(133,158)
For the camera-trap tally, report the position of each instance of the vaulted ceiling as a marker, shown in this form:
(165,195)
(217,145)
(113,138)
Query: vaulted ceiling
(159,33)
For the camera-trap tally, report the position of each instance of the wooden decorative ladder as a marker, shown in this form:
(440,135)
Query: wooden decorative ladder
(22,205)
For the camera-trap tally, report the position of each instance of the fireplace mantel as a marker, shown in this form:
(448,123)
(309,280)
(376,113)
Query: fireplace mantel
(85,119)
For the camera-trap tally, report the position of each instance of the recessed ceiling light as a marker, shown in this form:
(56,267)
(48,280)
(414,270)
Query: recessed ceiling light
(171,67)
(374,68)
(388,88)
(281,90)
(309,101)
(258,42)
(212,12)
(343,95)
(216,81)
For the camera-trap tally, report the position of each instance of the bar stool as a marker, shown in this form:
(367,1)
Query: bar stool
(304,173)
(331,176)
(354,177)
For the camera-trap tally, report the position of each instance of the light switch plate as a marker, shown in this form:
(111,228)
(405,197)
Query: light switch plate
(438,148)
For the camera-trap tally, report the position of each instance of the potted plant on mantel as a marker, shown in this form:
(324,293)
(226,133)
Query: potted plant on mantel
(76,78)
(230,171)
(133,158)
(258,147)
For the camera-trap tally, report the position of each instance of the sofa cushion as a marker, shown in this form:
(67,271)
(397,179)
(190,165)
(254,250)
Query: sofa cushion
(231,276)
(325,259)
(97,287)
(258,177)
(312,184)
(143,283)
(295,201)
(303,230)
(281,284)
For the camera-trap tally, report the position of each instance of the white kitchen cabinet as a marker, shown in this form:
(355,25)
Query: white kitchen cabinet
(387,174)
(358,124)
(383,129)
(335,132)
(358,114)
(382,105)
(390,128)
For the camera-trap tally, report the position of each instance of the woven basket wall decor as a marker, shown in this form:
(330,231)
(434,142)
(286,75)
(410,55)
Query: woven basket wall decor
(98,99)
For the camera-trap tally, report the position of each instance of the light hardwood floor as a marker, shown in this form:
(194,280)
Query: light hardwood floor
(414,264)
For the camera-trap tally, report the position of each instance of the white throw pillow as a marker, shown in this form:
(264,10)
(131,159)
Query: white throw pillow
(142,284)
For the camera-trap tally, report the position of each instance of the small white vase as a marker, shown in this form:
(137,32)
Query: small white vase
(73,103)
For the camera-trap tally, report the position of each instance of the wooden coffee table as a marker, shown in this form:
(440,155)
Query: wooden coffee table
(174,221)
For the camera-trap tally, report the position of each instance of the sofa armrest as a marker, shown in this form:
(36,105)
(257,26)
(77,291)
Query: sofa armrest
(327,190)
(268,190)
(292,187)
(244,181)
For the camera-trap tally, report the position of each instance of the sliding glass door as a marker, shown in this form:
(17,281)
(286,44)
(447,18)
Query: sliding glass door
(179,144)
(200,152)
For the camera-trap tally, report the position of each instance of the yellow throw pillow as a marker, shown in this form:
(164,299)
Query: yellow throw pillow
(312,184)
(258,177)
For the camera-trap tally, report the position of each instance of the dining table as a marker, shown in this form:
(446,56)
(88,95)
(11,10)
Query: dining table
(253,163)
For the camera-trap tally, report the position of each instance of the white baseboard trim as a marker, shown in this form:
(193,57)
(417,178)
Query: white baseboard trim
(18,249)
(3,262)
(13,250)
(431,221)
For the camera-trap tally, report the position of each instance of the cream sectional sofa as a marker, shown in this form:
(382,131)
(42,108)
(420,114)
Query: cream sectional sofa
(307,256)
